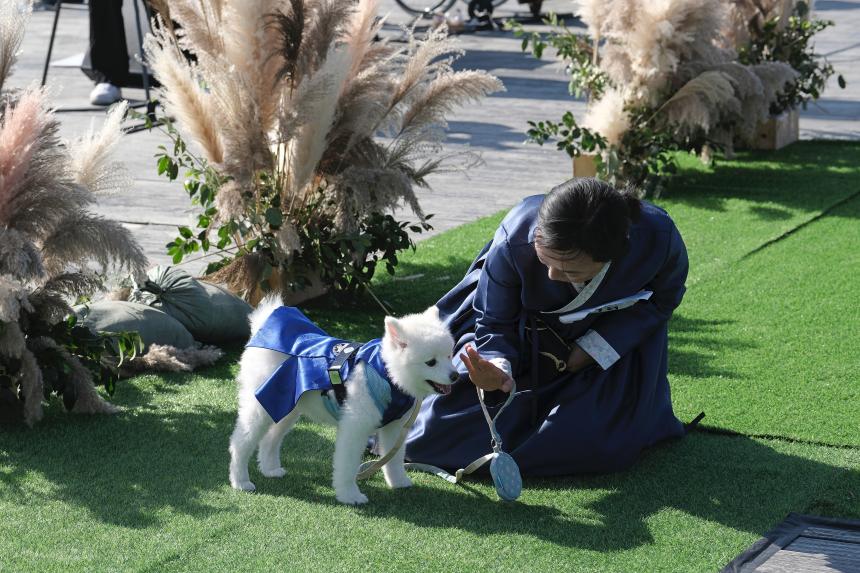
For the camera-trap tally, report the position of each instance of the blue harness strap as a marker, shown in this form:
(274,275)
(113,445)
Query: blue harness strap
(380,390)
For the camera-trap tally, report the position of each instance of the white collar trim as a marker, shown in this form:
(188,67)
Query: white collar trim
(585,293)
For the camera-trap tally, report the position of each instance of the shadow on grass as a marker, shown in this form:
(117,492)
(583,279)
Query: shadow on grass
(696,343)
(737,482)
(807,175)
(140,467)
(125,468)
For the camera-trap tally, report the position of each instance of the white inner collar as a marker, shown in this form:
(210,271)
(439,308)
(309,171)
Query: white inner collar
(584,293)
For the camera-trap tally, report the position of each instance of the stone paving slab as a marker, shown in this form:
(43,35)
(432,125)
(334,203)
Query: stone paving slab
(511,170)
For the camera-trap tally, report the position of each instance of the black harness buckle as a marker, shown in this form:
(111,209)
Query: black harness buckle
(343,352)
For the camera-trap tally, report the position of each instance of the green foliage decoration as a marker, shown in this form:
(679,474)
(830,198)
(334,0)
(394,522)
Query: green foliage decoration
(342,260)
(577,50)
(793,45)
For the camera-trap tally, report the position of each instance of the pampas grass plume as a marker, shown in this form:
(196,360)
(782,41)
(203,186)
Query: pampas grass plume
(608,116)
(91,163)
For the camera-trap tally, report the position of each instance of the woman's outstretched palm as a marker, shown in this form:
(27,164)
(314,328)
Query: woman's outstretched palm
(484,374)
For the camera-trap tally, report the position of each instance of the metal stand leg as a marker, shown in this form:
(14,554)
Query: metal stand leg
(51,42)
(144,69)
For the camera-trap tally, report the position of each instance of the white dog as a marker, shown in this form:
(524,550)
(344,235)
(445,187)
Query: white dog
(414,356)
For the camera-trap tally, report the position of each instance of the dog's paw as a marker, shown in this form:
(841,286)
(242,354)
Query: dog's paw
(397,482)
(243,485)
(275,473)
(354,497)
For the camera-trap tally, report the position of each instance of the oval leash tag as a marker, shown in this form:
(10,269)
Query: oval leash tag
(506,476)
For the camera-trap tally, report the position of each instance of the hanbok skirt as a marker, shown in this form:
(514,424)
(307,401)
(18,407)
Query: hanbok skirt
(590,421)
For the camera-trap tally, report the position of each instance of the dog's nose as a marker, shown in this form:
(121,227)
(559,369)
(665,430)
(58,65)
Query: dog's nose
(453,376)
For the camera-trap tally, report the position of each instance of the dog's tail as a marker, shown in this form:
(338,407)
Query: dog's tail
(266,307)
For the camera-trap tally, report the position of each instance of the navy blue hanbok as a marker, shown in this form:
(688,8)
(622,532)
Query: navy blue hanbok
(596,420)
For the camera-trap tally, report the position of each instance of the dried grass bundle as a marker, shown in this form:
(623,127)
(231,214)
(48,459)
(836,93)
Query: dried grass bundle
(13,18)
(161,358)
(49,240)
(608,116)
(774,77)
(701,102)
(241,275)
(298,93)
(669,55)
(185,100)
(746,19)
(92,163)
(647,40)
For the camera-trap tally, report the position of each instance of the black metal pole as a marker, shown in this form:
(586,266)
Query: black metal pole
(143,66)
(51,42)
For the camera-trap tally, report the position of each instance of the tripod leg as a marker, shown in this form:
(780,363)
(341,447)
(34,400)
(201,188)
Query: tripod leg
(51,42)
(143,67)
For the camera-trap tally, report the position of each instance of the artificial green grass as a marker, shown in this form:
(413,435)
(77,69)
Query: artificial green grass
(772,346)
(147,489)
(727,210)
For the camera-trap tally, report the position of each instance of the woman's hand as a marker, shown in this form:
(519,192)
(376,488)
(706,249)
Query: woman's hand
(484,374)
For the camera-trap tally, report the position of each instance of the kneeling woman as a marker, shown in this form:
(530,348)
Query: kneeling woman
(571,299)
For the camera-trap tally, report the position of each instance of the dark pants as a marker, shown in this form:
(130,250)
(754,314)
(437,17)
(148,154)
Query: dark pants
(108,52)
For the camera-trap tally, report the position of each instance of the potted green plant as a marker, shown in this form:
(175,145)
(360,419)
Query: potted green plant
(781,31)
(310,133)
(658,81)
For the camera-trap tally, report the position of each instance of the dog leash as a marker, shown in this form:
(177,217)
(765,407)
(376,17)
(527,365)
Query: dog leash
(503,468)
(369,468)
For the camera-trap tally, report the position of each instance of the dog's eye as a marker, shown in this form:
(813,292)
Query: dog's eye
(431,362)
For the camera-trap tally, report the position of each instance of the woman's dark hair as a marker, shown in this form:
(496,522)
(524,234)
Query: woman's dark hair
(589,216)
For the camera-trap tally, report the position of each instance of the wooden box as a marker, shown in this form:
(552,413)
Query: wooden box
(778,131)
(585,165)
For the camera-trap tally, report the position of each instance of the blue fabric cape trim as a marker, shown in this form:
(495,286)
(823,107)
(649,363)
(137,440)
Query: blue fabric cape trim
(290,332)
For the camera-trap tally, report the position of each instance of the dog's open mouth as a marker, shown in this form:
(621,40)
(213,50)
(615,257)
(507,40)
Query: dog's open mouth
(439,388)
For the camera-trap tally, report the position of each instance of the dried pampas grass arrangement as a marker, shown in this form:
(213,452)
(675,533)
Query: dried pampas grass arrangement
(51,245)
(171,359)
(608,116)
(298,108)
(746,19)
(670,57)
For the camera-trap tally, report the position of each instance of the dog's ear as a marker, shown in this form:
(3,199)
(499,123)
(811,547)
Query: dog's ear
(395,331)
(432,312)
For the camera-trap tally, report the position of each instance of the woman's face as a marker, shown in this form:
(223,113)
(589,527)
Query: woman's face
(564,267)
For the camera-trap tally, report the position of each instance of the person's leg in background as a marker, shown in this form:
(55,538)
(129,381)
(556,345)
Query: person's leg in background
(107,51)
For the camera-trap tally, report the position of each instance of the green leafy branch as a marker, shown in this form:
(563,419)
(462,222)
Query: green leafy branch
(576,50)
(793,45)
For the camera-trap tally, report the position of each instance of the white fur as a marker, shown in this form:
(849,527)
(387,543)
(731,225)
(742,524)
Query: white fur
(408,344)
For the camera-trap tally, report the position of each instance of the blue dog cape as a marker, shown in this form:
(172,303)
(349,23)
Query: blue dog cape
(311,353)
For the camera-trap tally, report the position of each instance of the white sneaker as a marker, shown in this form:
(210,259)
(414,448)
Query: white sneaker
(105,94)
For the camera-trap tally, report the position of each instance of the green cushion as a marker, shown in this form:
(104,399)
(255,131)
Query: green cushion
(210,313)
(153,325)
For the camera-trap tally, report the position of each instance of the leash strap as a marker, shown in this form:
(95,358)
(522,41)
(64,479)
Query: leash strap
(369,468)
(496,443)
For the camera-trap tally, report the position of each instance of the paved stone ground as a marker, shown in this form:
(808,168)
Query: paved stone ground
(535,89)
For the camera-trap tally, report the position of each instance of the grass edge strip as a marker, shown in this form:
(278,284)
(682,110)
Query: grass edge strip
(789,232)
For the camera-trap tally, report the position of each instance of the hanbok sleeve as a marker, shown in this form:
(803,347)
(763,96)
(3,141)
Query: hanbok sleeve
(614,334)
(498,305)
